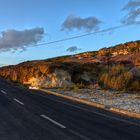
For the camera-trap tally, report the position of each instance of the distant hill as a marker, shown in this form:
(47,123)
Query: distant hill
(106,68)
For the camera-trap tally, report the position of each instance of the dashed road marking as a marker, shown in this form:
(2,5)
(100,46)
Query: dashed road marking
(103,115)
(4,92)
(53,121)
(18,101)
(95,112)
(79,135)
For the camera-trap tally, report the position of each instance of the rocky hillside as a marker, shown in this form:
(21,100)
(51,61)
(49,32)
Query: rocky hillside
(84,69)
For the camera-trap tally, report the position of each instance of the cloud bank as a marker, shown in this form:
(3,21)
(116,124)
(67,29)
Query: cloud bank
(87,24)
(13,39)
(133,12)
(131,5)
(73,49)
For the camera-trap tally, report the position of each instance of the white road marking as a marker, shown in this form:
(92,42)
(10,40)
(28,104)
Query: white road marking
(79,135)
(4,92)
(104,115)
(18,101)
(53,121)
(95,112)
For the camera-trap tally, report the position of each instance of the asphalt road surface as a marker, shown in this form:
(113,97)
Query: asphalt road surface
(34,115)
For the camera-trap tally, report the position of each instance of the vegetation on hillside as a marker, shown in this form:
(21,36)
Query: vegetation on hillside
(114,68)
(119,77)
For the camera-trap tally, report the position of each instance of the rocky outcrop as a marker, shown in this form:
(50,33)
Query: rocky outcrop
(46,74)
(59,78)
(83,68)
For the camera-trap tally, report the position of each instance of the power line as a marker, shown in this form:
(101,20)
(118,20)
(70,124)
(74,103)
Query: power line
(83,35)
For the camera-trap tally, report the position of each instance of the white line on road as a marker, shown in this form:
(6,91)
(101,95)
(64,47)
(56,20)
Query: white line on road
(4,92)
(95,112)
(53,121)
(18,101)
(104,115)
(79,135)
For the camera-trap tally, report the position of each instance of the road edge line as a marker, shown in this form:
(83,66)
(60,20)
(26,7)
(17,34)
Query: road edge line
(105,107)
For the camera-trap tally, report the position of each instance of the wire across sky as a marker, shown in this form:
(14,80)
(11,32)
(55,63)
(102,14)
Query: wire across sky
(82,35)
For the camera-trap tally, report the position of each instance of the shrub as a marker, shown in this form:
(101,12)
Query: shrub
(116,77)
(135,85)
(76,86)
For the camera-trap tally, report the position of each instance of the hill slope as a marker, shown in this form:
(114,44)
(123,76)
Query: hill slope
(106,67)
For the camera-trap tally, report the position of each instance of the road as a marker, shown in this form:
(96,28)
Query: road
(34,115)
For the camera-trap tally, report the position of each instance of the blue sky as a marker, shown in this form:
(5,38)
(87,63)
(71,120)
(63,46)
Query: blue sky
(50,15)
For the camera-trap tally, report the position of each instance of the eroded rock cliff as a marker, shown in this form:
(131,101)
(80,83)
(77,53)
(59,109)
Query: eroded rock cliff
(83,68)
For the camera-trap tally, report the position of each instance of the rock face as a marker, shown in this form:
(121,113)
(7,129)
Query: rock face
(46,74)
(80,68)
(59,78)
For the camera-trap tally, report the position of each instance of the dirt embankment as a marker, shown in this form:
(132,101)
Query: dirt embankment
(84,69)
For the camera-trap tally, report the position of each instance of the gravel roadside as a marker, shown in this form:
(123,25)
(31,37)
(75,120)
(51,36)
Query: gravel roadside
(126,101)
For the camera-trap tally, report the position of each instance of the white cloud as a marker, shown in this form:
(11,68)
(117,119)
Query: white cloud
(13,39)
(88,24)
(73,49)
(133,12)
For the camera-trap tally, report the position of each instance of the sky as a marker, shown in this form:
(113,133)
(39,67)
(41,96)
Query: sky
(29,28)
